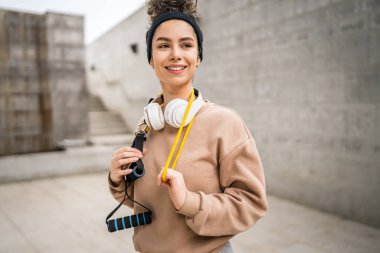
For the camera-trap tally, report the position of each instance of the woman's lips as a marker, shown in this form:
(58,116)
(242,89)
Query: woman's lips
(176,70)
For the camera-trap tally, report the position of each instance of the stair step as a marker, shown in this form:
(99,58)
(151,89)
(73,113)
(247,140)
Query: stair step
(96,104)
(106,123)
(104,116)
(105,128)
(108,131)
(113,140)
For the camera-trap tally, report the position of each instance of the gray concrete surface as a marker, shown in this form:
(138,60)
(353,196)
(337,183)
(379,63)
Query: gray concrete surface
(304,75)
(67,214)
(85,159)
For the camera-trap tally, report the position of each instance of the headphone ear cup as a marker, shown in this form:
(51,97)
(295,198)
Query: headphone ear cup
(174,112)
(154,116)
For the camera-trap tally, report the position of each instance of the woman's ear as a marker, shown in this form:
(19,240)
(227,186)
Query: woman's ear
(151,63)
(198,61)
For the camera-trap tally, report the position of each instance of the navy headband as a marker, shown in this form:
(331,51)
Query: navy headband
(168,16)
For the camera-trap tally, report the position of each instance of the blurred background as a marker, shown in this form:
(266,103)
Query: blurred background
(304,75)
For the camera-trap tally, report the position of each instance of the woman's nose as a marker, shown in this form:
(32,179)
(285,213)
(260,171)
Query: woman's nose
(176,54)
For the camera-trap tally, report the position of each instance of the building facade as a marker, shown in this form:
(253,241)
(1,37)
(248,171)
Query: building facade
(43,94)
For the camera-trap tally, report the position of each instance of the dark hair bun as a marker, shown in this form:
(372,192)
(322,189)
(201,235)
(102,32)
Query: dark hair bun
(158,7)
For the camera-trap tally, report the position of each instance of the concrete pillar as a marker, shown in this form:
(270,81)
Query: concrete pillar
(43,97)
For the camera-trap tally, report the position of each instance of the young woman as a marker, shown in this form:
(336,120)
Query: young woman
(217,188)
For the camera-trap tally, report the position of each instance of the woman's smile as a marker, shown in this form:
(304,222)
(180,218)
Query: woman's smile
(176,69)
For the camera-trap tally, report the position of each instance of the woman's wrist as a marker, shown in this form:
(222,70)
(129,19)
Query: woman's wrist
(113,182)
(192,204)
(183,202)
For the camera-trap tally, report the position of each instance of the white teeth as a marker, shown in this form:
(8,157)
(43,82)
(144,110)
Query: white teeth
(176,68)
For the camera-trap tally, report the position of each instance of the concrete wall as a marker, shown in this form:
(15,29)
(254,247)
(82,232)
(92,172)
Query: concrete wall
(66,75)
(43,97)
(121,78)
(25,110)
(303,74)
(305,77)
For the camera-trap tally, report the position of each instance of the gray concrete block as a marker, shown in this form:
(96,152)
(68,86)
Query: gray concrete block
(345,8)
(67,37)
(361,120)
(24,102)
(64,20)
(374,44)
(305,6)
(376,136)
(77,160)
(75,54)
(25,72)
(3,102)
(364,86)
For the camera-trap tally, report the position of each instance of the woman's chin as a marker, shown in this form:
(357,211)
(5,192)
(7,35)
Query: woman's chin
(176,82)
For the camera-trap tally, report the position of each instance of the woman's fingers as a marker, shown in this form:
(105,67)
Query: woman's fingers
(121,162)
(176,186)
(170,176)
(159,177)
(159,180)
(126,155)
(124,172)
(121,157)
(117,176)
(126,149)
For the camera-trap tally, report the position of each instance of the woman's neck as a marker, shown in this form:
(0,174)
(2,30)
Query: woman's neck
(183,93)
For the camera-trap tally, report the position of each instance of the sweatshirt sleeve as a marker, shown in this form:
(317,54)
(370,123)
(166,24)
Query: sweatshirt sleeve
(118,191)
(243,200)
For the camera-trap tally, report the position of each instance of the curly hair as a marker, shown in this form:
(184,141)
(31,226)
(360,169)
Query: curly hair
(158,7)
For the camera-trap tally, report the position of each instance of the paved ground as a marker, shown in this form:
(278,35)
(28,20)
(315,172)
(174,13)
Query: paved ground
(67,214)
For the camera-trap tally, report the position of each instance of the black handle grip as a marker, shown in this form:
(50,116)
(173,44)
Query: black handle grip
(129,221)
(137,171)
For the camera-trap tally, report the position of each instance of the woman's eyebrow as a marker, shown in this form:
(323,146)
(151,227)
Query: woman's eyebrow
(163,38)
(186,38)
(167,39)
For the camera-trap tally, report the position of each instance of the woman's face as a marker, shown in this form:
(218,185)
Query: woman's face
(175,54)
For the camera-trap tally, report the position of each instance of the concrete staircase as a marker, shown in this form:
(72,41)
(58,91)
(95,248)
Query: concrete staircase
(107,127)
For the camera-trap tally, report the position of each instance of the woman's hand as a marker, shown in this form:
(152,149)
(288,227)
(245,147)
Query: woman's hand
(176,186)
(120,157)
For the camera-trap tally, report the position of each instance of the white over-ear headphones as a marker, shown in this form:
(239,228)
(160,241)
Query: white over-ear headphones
(174,112)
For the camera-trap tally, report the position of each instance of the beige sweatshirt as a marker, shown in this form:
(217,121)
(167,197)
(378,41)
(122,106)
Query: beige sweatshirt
(225,180)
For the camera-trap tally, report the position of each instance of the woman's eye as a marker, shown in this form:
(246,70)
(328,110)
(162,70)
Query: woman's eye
(163,46)
(187,45)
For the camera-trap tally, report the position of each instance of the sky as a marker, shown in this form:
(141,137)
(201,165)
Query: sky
(100,15)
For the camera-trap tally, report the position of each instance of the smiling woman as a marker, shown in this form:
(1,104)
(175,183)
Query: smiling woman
(175,56)
(216,188)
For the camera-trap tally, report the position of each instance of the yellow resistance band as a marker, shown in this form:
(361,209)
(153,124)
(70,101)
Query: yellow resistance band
(177,138)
